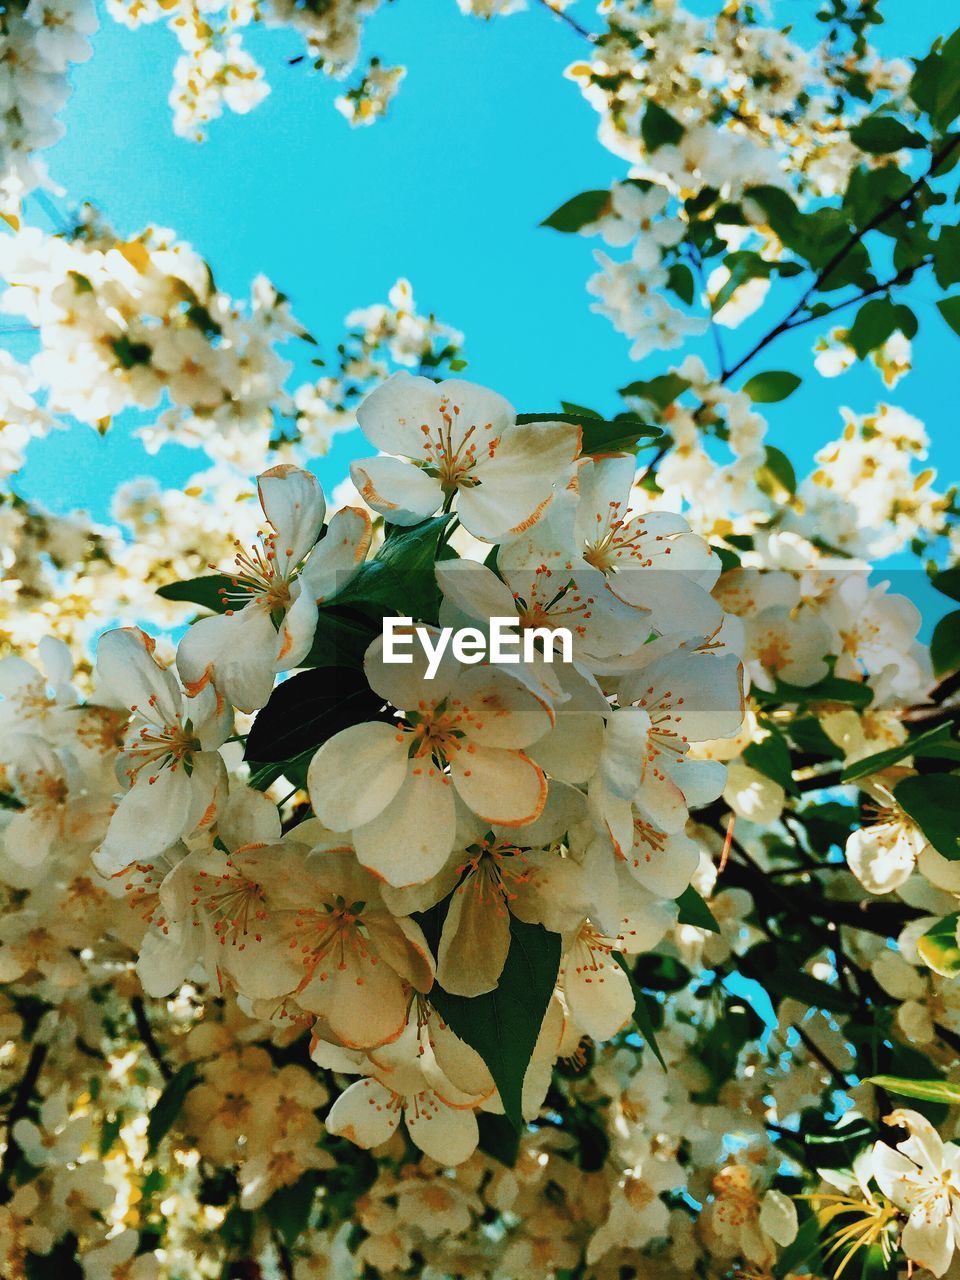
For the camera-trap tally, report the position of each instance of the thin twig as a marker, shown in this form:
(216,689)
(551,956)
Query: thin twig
(145,1032)
(570,20)
(18,1109)
(940,158)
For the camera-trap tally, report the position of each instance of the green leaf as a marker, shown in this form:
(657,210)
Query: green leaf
(938,742)
(876,321)
(202,591)
(880,134)
(693,910)
(498,1138)
(803,1253)
(660,391)
(169,1104)
(504,1024)
(830,689)
(130,354)
(342,637)
(400,578)
(310,707)
(621,435)
(578,411)
(771,757)
(939,948)
(720,1048)
(680,280)
(769,388)
(935,86)
(289,1208)
(659,128)
(780,469)
(579,211)
(641,1013)
(947,581)
(946,265)
(949,308)
(932,800)
(944,1091)
(782,214)
(742,265)
(945,644)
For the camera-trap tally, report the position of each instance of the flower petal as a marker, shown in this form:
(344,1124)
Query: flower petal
(293,502)
(367,1113)
(411,839)
(446,1135)
(356,774)
(500,786)
(400,492)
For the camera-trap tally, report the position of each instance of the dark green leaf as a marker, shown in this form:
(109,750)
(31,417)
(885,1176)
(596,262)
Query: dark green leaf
(168,1105)
(578,212)
(802,1255)
(769,388)
(642,1015)
(875,322)
(771,757)
(660,391)
(498,1138)
(693,910)
(680,280)
(310,707)
(742,265)
(202,591)
(938,742)
(288,1209)
(504,1024)
(829,689)
(622,435)
(947,581)
(342,638)
(400,578)
(880,134)
(658,127)
(932,800)
(935,87)
(946,265)
(949,308)
(945,644)
(60,1263)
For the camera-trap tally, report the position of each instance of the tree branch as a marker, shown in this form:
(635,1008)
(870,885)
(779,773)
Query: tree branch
(145,1032)
(570,20)
(18,1109)
(939,159)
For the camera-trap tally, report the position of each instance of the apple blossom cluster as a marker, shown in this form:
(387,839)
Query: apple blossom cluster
(751,100)
(488,795)
(215,69)
(317,966)
(123,323)
(39,41)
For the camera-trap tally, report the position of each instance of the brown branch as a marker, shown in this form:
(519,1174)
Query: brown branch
(883,215)
(18,1109)
(145,1032)
(570,20)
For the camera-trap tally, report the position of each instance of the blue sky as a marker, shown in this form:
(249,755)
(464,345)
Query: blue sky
(485,138)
